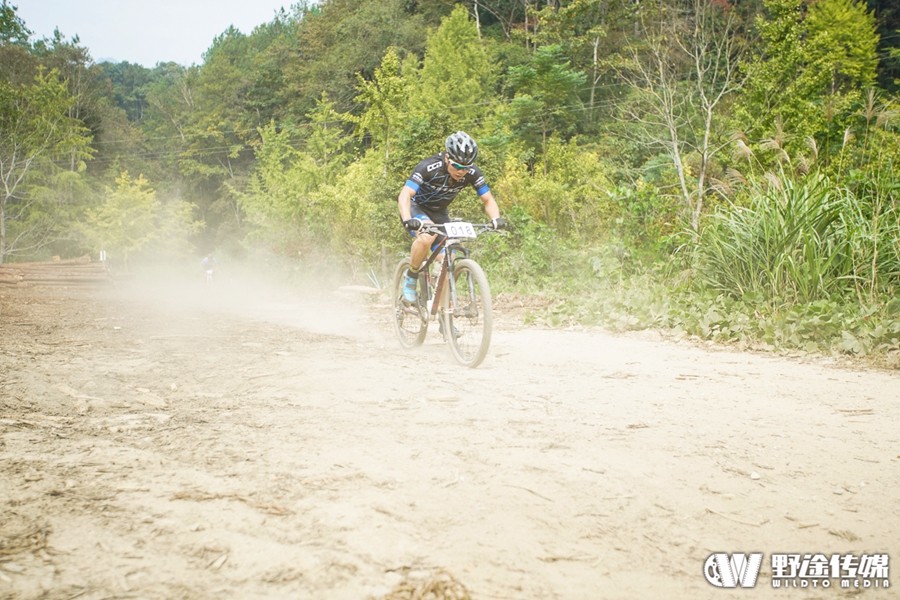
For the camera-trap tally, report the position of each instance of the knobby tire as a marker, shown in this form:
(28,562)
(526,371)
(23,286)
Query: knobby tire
(468,319)
(410,321)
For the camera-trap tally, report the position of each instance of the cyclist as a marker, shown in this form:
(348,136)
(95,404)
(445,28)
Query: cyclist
(209,265)
(431,188)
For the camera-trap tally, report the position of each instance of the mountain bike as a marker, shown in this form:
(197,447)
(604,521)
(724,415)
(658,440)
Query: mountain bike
(461,304)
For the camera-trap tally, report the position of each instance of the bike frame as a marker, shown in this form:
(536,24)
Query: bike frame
(440,299)
(446,264)
(450,247)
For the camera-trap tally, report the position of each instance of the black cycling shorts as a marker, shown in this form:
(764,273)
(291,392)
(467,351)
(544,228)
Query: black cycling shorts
(438,217)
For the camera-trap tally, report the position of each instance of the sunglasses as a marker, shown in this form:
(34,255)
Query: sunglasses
(461,167)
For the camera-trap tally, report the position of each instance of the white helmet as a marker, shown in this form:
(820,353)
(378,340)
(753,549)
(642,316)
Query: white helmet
(461,148)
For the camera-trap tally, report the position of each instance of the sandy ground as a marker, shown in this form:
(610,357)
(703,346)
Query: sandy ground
(241,442)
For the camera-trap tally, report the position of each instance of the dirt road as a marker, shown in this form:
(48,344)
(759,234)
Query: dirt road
(244,442)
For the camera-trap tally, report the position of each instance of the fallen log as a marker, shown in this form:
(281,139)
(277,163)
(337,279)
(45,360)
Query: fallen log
(70,271)
(79,260)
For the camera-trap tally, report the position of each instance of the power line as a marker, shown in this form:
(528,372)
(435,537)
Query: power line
(184,140)
(306,127)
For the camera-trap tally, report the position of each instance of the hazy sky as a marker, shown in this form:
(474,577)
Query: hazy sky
(145,31)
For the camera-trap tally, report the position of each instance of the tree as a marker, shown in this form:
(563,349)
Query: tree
(326,141)
(593,33)
(85,81)
(220,124)
(344,38)
(843,42)
(842,46)
(171,97)
(35,130)
(384,98)
(276,199)
(887,15)
(508,14)
(128,82)
(808,73)
(546,96)
(683,71)
(17,65)
(120,141)
(131,219)
(457,79)
(12,28)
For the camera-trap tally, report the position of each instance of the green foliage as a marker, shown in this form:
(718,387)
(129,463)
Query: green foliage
(799,242)
(385,100)
(341,39)
(225,102)
(326,141)
(644,218)
(546,96)
(57,199)
(870,147)
(130,221)
(356,218)
(457,74)
(274,200)
(170,99)
(35,130)
(531,258)
(451,91)
(12,28)
(566,190)
(593,34)
(407,111)
(822,327)
(300,208)
(843,42)
(809,70)
(258,141)
(128,82)
(600,288)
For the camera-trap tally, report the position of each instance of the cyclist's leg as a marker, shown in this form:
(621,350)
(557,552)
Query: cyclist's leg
(417,253)
(422,243)
(419,250)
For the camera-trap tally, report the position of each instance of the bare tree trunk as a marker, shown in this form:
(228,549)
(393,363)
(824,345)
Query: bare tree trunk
(2,230)
(526,24)
(705,41)
(477,19)
(506,22)
(595,77)
(387,146)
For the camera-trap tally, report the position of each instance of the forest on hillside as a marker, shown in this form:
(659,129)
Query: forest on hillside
(721,168)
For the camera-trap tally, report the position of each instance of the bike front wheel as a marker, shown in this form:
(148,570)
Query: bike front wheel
(410,320)
(467,319)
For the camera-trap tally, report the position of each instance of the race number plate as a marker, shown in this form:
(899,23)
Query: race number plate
(459,229)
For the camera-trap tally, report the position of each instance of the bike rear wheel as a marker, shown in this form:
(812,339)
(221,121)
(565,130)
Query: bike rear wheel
(467,318)
(410,320)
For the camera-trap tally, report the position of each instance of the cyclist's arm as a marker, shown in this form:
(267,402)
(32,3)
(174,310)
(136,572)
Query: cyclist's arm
(490,205)
(404,202)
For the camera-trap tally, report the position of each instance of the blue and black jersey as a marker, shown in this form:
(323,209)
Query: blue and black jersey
(434,187)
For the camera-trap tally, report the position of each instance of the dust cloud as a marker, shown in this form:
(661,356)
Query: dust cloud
(317,299)
(264,436)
